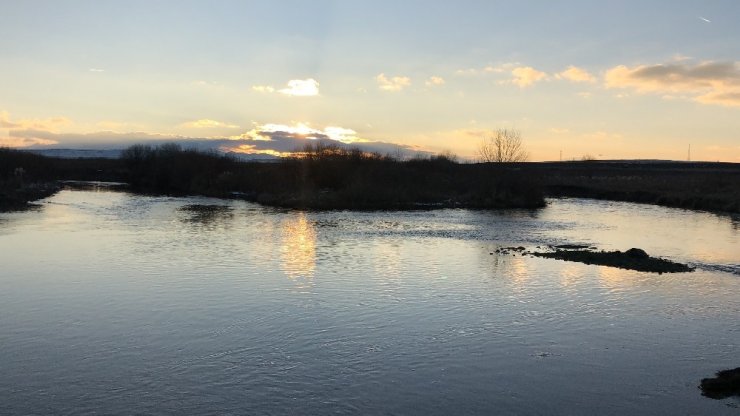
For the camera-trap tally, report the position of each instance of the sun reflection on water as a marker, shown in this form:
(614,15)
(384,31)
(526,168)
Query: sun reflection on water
(298,249)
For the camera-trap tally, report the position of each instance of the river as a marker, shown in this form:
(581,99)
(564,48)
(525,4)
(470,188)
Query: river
(115,303)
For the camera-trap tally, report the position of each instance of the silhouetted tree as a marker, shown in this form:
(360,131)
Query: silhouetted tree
(504,145)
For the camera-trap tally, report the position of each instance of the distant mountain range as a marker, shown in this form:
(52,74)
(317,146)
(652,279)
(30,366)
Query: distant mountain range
(116,153)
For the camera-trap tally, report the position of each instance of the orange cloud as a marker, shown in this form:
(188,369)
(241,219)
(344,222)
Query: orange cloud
(208,124)
(12,141)
(525,76)
(575,74)
(51,124)
(706,83)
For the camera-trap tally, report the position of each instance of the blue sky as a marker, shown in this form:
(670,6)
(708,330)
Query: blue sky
(610,80)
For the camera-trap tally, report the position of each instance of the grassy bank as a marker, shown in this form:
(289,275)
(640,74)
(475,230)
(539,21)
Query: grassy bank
(698,185)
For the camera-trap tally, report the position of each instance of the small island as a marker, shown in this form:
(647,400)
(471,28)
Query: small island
(632,259)
(725,384)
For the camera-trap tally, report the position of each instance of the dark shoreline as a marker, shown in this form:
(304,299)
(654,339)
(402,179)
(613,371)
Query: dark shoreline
(332,178)
(24,197)
(702,186)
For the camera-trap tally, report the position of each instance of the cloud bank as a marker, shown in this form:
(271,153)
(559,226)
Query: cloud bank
(262,139)
(205,123)
(707,82)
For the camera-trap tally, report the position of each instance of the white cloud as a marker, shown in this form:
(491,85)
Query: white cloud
(393,84)
(435,81)
(301,88)
(263,88)
(489,69)
(303,130)
(284,140)
(96,70)
(294,88)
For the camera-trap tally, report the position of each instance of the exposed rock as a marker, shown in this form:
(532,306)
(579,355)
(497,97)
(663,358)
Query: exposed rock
(572,246)
(726,384)
(637,253)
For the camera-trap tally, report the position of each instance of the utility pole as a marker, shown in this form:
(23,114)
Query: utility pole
(689,159)
(561,155)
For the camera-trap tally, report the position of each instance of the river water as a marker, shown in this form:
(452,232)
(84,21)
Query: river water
(114,303)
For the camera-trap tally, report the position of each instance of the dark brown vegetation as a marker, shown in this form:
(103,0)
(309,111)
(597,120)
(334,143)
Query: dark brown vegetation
(696,185)
(26,177)
(325,177)
(725,384)
(331,177)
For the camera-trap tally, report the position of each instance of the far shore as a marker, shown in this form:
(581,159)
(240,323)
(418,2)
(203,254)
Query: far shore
(341,179)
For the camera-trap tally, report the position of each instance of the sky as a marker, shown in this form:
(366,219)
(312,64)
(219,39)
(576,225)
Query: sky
(604,80)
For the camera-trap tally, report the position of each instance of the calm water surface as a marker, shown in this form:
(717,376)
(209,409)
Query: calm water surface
(112,303)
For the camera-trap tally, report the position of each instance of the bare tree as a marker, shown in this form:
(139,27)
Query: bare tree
(504,145)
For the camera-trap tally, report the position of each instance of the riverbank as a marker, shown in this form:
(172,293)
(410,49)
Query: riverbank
(332,178)
(690,185)
(16,196)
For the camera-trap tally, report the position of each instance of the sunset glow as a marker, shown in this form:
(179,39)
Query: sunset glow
(593,80)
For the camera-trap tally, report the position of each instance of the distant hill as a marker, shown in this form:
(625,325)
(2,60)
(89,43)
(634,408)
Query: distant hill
(116,153)
(78,153)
